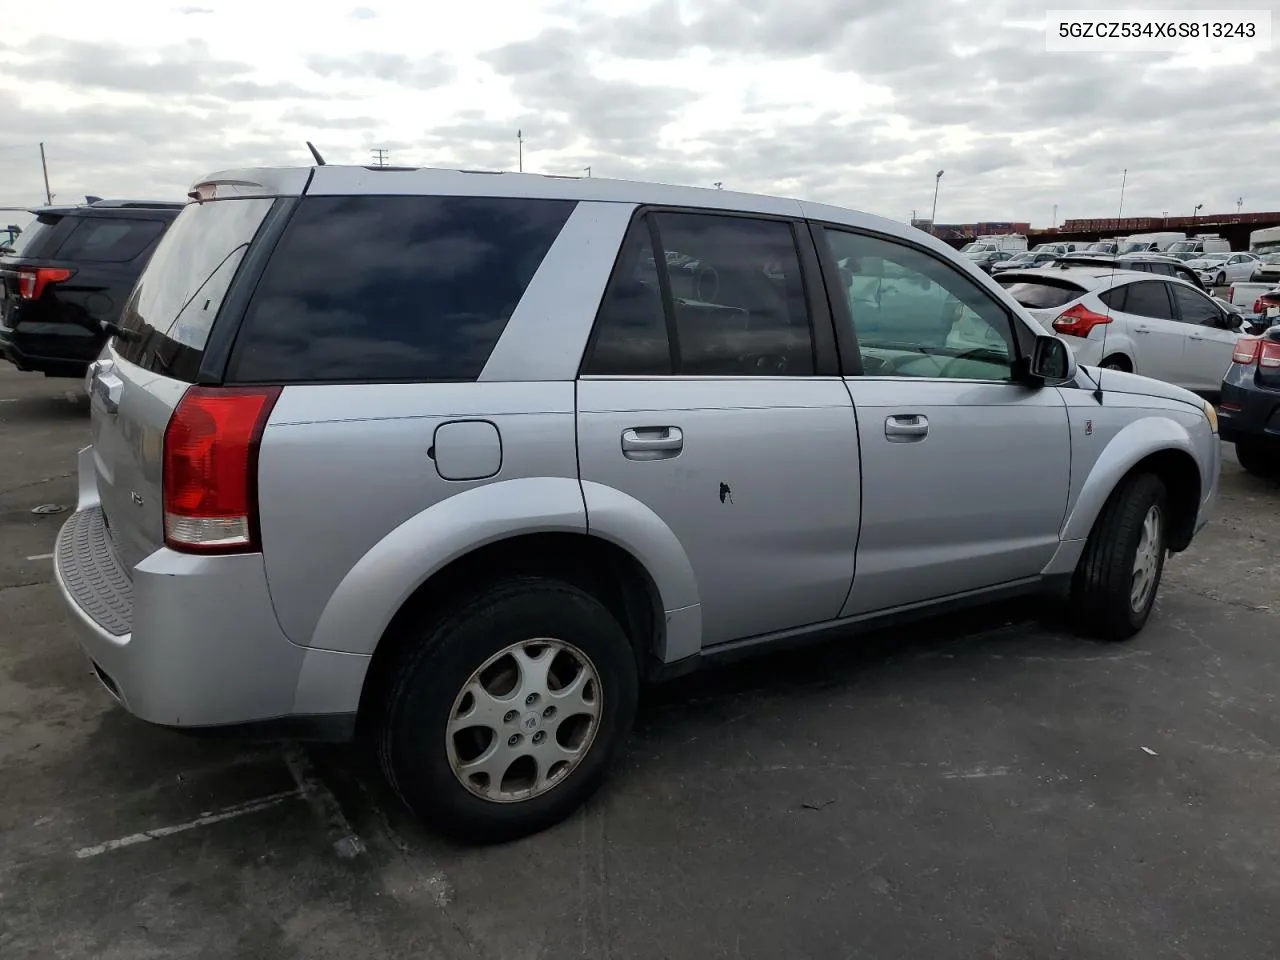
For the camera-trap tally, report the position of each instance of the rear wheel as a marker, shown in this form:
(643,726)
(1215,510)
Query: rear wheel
(504,715)
(1220,280)
(1259,458)
(1115,582)
(1117,362)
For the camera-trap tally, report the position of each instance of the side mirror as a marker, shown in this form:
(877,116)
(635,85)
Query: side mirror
(1052,362)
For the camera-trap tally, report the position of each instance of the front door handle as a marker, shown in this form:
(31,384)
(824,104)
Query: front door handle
(652,443)
(906,427)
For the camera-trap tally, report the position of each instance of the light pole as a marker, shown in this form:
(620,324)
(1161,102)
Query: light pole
(719,184)
(1196,211)
(588,169)
(1239,204)
(520,151)
(933,217)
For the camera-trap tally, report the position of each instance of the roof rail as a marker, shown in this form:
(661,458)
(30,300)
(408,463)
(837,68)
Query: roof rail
(138,204)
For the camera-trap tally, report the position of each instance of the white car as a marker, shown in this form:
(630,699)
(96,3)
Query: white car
(1218,269)
(1155,326)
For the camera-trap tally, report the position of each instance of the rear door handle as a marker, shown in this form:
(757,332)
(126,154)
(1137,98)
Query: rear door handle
(651,443)
(1141,329)
(906,427)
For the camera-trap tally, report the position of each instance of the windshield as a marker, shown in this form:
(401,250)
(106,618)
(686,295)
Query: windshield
(1138,246)
(1213,257)
(1272,258)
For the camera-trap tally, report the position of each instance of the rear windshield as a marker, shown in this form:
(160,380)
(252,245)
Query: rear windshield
(109,239)
(167,318)
(30,239)
(391,288)
(1042,294)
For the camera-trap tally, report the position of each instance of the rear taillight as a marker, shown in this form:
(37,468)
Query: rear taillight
(33,280)
(1246,350)
(210,471)
(1078,321)
(1269,355)
(1259,306)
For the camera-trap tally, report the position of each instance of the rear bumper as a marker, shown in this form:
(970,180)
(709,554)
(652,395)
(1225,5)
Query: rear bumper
(193,642)
(1247,411)
(53,355)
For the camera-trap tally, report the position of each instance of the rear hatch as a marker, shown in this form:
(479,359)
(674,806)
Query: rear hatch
(148,367)
(38,242)
(1043,294)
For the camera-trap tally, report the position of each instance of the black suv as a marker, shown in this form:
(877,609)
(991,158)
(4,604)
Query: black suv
(70,272)
(1144,262)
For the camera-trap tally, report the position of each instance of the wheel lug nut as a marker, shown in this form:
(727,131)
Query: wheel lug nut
(509,716)
(531,699)
(513,740)
(539,737)
(549,712)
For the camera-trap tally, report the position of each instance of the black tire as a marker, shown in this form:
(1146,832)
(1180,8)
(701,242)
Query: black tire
(1117,362)
(1260,459)
(1100,589)
(1220,280)
(441,660)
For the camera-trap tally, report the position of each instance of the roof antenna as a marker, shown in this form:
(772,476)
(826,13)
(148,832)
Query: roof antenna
(1097,394)
(315,153)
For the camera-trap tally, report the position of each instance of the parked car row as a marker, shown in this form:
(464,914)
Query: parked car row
(65,278)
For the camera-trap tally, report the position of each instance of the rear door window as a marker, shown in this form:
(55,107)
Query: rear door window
(388,288)
(167,319)
(1149,298)
(109,240)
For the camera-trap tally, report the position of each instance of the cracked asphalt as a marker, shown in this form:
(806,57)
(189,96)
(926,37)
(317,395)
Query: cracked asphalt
(981,786)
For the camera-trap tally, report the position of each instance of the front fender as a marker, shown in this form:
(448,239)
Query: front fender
(1131,444)
(362,606)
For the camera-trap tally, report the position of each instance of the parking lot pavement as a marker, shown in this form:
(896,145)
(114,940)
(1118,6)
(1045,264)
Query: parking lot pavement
(985,786)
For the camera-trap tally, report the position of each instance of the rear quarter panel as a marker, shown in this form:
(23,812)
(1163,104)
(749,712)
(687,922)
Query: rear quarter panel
(342,467)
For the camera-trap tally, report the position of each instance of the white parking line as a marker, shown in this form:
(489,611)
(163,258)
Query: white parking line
(324,804)
(41,556)
(227,813)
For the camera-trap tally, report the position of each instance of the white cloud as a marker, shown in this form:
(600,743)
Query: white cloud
(848,101)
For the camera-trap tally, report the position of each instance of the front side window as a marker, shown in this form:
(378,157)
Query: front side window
(915,316)
(1195,307)
(733,305)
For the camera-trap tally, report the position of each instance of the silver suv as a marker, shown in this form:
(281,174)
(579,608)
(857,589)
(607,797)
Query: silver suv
(460,459)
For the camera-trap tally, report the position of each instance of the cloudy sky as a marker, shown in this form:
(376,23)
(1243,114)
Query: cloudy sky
(856,102)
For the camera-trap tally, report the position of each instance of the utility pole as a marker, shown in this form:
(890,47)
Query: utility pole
(520,150)
(48,197)
(933,216)
(379,157)
(1239,204)
(1055,215)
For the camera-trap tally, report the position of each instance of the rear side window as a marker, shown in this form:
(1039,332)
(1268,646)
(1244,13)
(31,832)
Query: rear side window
(34,238)
(1041,294)
(387,288)
(114,240)
(734,303)
(167,319)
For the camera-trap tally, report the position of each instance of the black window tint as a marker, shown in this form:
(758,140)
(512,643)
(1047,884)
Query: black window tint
(1041,294)
(631,329)
(113,240)
(915,316)
(34,240)
(1114,298)
(1195,307)
(738,298)
(168,316)
(1149,298)
(386,288)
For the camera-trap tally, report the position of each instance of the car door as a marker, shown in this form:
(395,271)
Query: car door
(707,400)
(1239,268)
(1210,341)
(965,467)
(1145,307)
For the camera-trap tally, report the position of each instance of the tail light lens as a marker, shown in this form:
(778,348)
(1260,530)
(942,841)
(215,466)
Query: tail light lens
(1246,350)
(32,281)
(1078,321)
(1259,306)
(211,469)
(1269,354)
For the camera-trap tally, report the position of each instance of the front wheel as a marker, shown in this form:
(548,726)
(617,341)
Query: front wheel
(1116,580)
(504,716)
(1260,459)
(1220,280)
